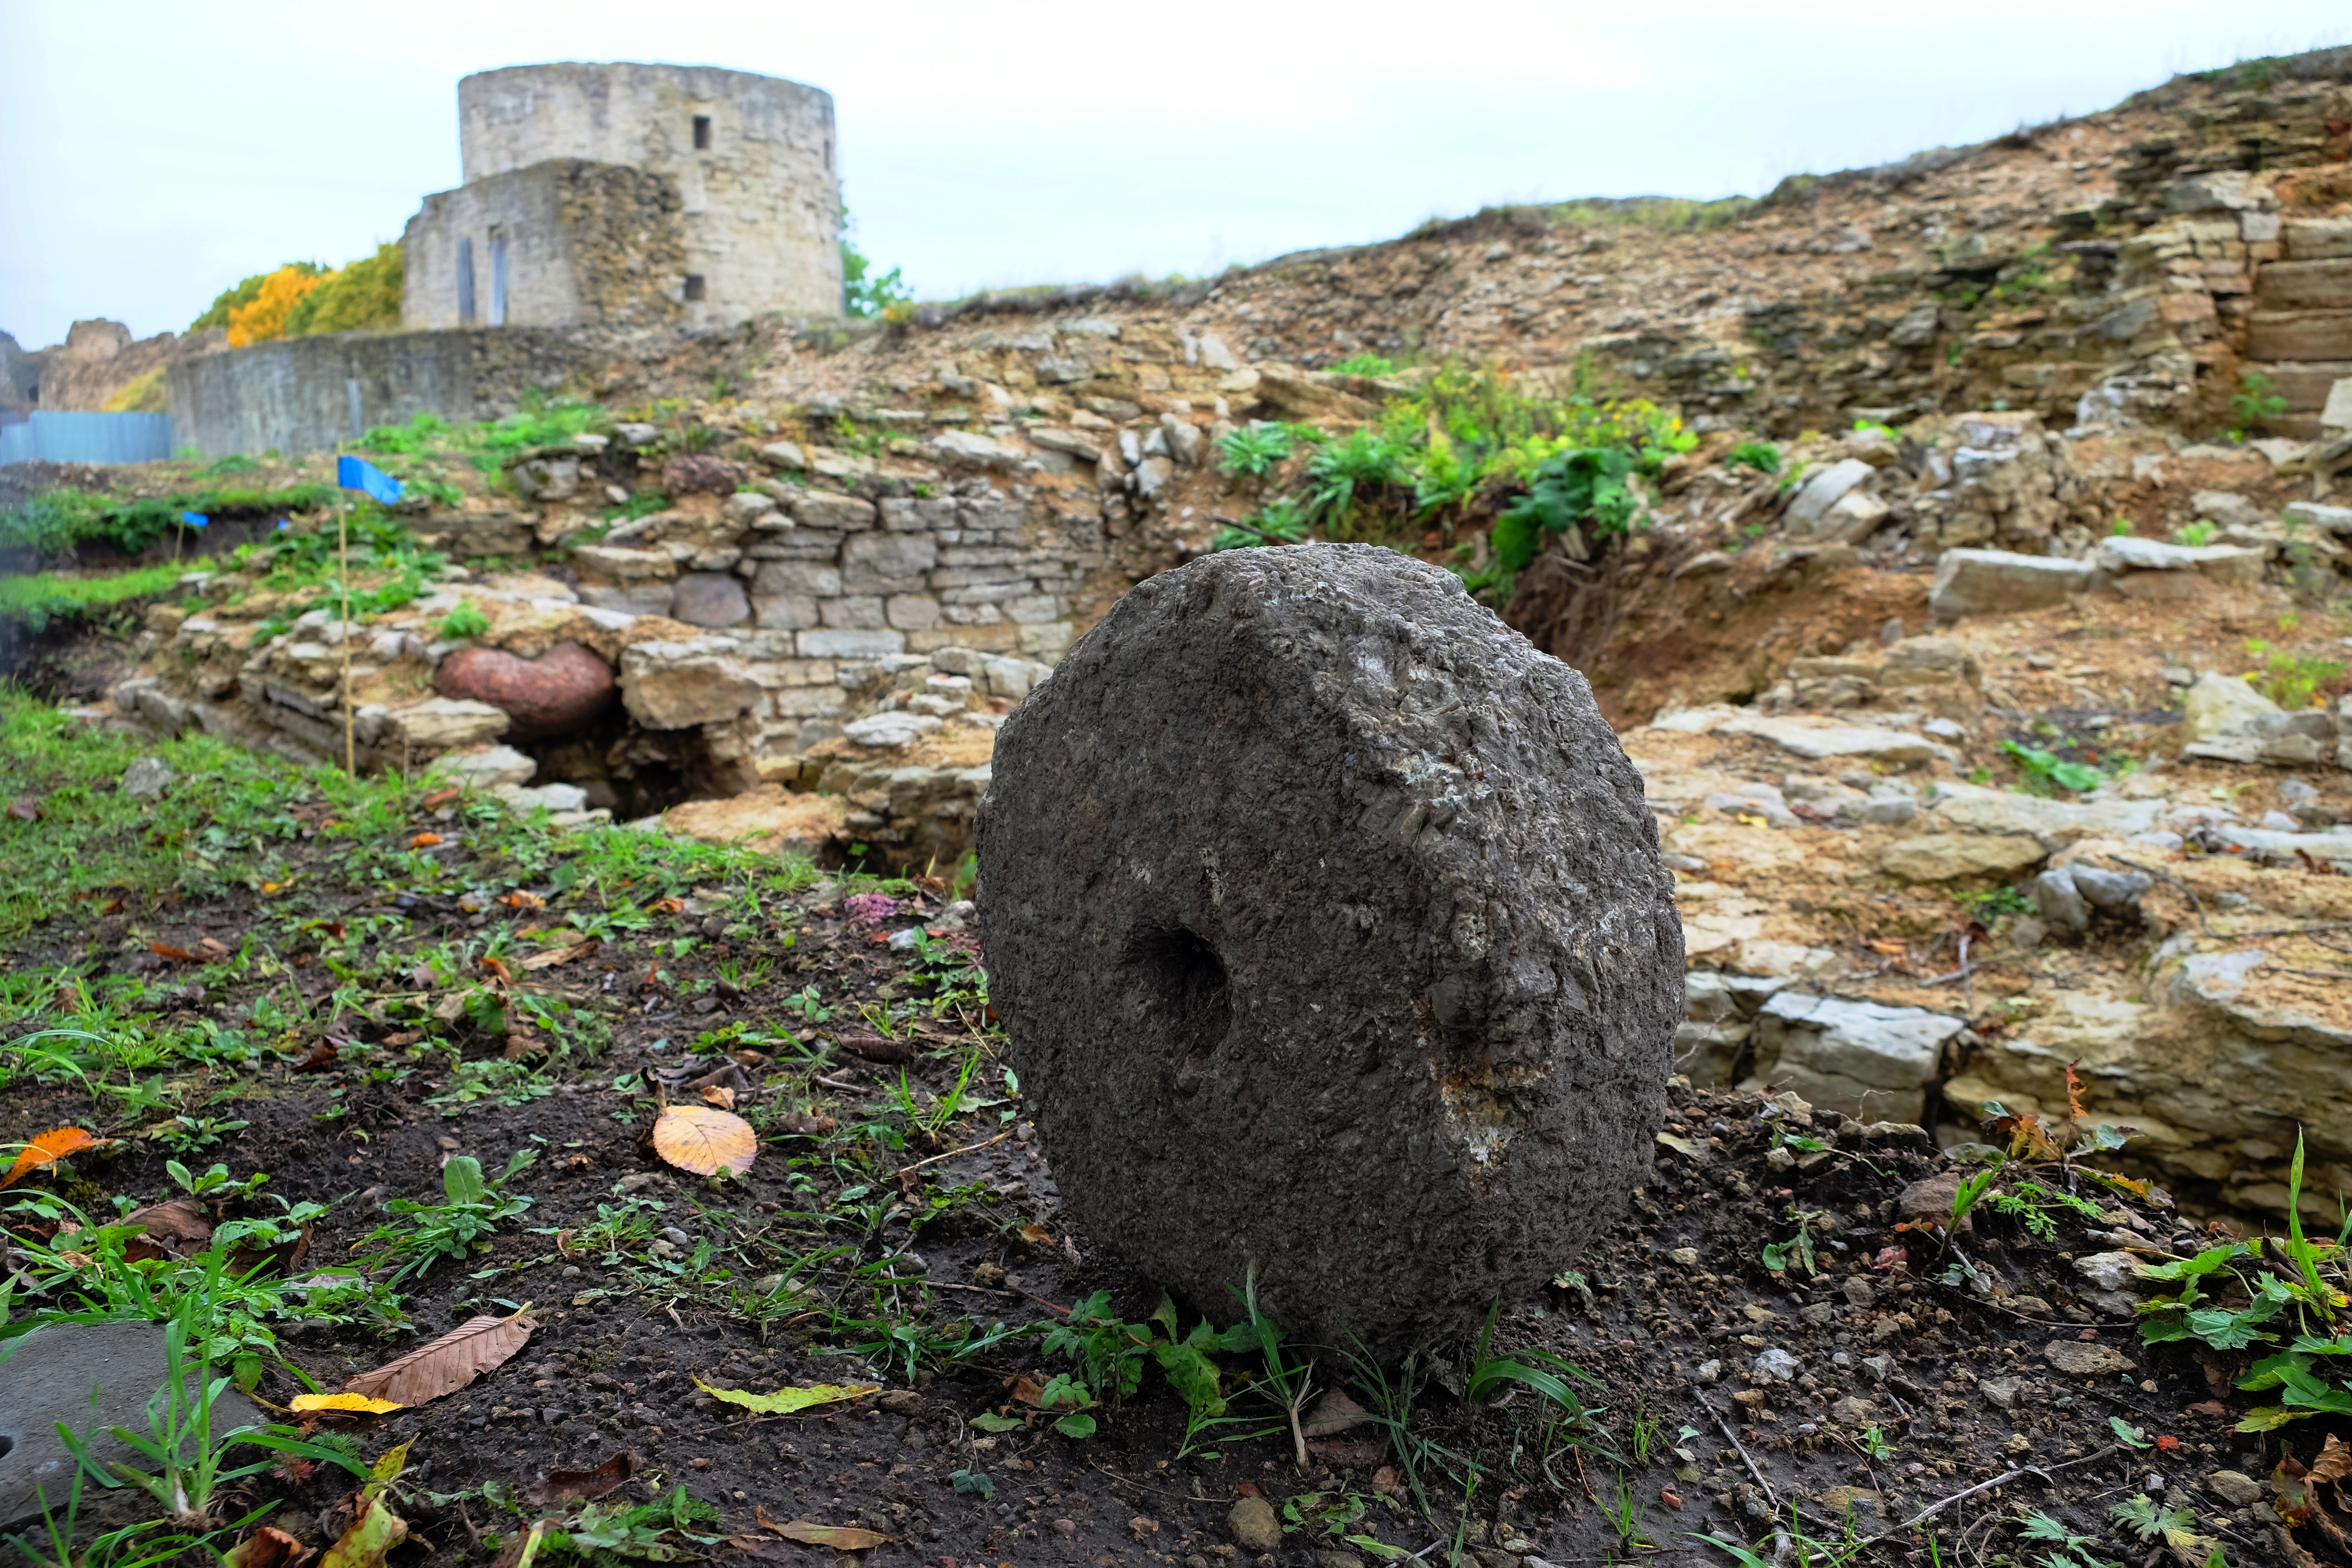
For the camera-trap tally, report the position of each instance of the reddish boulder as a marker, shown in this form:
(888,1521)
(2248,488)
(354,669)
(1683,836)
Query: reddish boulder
(561,690)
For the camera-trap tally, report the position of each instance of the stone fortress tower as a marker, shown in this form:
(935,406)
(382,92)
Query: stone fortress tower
(630,195)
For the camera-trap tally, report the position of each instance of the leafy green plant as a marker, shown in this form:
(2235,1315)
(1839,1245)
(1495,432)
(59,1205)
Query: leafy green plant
(2048,766)
(1253,450)
(2194,534)
(2174,1526)
(2062,1547)
(475,1207)
(1761,456)
(1365,365)
(1279,521)
(1584,484)
(465,621)
(1363,462)
(2291,680)
(2255,404)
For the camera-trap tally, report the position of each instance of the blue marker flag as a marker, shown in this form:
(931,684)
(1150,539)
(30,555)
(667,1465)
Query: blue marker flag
(194,518)
(352,474)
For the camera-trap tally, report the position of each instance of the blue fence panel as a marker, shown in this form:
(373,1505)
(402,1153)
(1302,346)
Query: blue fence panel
(74,437)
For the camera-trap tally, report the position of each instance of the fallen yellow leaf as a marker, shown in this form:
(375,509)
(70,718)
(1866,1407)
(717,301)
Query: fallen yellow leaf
(703,1140)
(351,1404)
(784,1400)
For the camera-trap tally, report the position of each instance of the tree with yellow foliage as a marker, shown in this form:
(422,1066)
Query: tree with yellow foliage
(264,318)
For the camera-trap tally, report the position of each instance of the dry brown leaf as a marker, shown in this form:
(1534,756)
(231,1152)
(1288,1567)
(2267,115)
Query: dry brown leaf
(1335,1413)
(174,1229)
(176,954)
(267,1547)
(47,1148)
(808,1532)
(703,1140)
(555,955)
(585,1484)
(318,1058)
(805,1125)
(448,1363)
(876,1048)
(2335,1461)
(720,1095)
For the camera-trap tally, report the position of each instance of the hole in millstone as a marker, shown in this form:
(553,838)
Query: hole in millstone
(6,1443)
(1183,981)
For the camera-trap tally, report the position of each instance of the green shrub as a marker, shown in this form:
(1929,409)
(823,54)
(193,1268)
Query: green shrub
(1583,484)
(362,296)
(1365,365)
(465,621)
(1761,456)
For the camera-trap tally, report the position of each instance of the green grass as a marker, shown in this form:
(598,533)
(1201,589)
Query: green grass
(34,602)
(56,521)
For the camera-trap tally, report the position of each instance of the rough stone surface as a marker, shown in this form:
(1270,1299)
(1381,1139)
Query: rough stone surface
(2082,1359)
(444,723)
(1328,921)
(147,779)
(554,694)
(1949,856)
(1858,1057)
(710,599)
(47,1377)
(1253,1525)
(1983,581)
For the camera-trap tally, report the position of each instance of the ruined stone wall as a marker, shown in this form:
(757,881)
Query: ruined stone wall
(295,395)
(761,197)
(583,242)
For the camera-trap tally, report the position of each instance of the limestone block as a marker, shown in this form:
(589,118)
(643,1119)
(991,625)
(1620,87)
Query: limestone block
(1822,490)
(441,723)
(681,685)
(1860,1058)
(1993,581)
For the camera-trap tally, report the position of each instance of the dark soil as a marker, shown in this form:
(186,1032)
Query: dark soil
(1670,1312)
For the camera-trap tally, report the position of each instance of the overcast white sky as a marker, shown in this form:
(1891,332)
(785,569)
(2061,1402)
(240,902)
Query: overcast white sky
(153,153)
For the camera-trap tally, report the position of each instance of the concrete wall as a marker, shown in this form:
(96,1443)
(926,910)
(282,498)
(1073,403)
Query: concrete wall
(584,243)
(762,202)
(295,395)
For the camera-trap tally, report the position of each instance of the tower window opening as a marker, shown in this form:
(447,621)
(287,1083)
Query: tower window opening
(702,133)
(695,287)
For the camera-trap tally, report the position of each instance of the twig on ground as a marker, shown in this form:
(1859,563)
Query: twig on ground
(844,1087)
(1725,1426)
(1935,1507)
(951,1153)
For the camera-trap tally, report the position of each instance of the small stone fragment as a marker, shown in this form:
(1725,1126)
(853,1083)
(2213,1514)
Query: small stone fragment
(1858,1292)
(2085,1360)
(1999,1392)
(1779,1363)
(147,779)
(1253,1525)
(2235,1488)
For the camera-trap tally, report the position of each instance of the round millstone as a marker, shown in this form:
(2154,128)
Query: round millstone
(1327,920)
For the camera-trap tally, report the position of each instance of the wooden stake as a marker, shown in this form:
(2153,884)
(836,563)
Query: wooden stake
(343,548)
